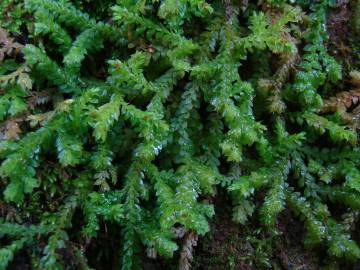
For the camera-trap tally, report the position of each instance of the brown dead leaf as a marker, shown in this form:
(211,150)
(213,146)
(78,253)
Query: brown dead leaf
(7,45)
(186,256)
(10,130)
(342,101)
(355,78)
(39,98)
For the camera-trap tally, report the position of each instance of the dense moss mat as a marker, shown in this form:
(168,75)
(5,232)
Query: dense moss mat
(179,133)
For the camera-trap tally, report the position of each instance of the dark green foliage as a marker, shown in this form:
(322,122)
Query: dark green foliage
(131,114)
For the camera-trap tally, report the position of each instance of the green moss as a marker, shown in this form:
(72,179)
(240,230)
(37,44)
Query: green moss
(118,118)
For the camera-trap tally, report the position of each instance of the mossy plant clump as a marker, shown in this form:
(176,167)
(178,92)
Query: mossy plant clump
(120,120)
